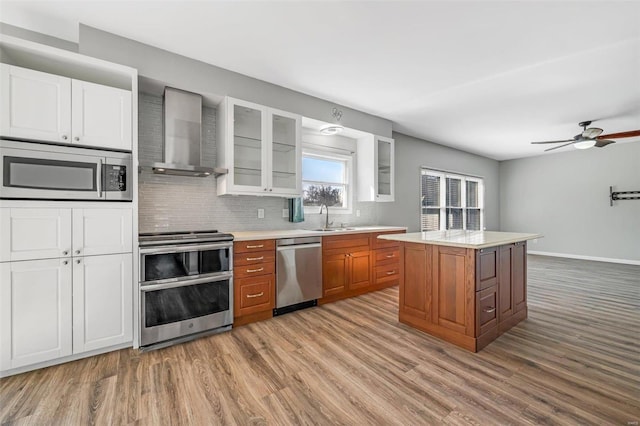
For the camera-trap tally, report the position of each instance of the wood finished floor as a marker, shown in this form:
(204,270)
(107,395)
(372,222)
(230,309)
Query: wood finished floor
(574,361)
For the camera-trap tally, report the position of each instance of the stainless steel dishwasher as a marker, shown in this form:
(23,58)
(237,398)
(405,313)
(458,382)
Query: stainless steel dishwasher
(298,273)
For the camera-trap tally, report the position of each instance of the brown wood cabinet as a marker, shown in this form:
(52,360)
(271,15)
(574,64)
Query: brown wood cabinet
(254,294)
(465,296)
(354,264)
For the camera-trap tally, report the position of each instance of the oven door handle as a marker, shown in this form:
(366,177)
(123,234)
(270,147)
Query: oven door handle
(154,287)
(180,248)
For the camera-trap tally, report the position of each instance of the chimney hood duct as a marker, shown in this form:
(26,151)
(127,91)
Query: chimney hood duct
(182,126)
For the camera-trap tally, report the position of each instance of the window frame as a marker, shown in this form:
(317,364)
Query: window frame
(330,154)
(443,207)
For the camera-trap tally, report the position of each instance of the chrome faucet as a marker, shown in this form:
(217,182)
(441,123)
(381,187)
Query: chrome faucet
(326,222)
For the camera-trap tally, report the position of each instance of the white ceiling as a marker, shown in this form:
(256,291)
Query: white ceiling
(485,77)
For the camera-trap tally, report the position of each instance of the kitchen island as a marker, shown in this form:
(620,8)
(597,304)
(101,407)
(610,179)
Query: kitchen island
(465,287)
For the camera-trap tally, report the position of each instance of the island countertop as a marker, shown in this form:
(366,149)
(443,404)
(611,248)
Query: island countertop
(460,238)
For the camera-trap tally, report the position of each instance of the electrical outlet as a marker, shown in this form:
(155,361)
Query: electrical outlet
(285,212)
(260,213)
(357,213)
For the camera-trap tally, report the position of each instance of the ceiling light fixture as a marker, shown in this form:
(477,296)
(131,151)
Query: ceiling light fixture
(331,129)
(585,144)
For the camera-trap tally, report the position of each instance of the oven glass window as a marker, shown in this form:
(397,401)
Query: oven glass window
(184,264)
(49,174)
(183,303)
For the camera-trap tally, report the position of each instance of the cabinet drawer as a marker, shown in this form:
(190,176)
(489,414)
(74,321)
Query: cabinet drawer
(255,269)
(387,272)
(254,294)
(252,258)
(486,310)
(252,246)
(389,255)
(361,241)
(377,243)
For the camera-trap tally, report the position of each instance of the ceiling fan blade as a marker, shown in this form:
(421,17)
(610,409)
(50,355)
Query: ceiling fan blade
(566,140)
(629,134)
(603,142)
(560,146)
(592,132)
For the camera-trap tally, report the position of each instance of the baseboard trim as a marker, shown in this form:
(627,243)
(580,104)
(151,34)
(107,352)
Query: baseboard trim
(581,257)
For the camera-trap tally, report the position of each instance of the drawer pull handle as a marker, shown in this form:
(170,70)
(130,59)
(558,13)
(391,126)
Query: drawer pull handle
(391,272)
(489,310)
(255,258)
(389,256)
(257,246)
(255,295)
(255,270)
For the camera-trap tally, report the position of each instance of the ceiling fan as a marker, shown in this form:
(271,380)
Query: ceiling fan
(591,137)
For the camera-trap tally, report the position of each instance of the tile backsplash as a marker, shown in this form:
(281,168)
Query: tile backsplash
(183,203)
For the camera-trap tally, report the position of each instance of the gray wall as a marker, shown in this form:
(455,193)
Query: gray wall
(565,196)
(410,155)
(179,203)
(199,77)
(37,37)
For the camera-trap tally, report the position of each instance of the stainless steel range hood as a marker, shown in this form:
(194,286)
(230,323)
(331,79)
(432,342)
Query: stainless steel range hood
(182,125)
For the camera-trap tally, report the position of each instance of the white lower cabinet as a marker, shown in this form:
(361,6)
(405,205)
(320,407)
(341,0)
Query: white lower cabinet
(54,308)
(102,301)
(35,312)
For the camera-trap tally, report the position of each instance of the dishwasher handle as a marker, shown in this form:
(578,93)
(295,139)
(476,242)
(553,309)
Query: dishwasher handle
(299,246)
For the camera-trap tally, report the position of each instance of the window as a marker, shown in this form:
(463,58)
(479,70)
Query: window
(450,201)
(326,179)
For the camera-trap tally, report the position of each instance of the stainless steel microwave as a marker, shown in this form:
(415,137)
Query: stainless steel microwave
(53,172)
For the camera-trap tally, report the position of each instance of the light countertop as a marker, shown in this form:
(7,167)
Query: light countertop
(466,239)
(295,233)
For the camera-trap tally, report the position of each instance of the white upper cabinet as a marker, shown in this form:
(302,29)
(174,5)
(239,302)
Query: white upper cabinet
(35,105)
(34,233)
(375,168)
(35,312)
(102,231)
(101,115)
(47,107)
(260,147)
(43,233)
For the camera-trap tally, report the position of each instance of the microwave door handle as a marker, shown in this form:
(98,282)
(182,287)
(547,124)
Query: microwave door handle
(99,178)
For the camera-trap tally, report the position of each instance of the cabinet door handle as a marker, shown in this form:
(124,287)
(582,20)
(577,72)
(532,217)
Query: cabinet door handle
(391,272)
(257,246)
(255,270)
(251,296)
(77,251)
(65,262)
(64,137)
(389,256)
(489,310)
(255,258)
(76,138)
(270,189)
(78,261)
(66,252)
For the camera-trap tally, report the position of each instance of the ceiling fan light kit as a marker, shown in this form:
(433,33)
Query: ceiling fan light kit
(590,137)
(586,144)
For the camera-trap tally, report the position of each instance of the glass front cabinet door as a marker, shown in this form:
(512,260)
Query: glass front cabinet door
(260,148)
(384,168)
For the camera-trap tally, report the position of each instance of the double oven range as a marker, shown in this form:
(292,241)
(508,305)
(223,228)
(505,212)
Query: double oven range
(186,286)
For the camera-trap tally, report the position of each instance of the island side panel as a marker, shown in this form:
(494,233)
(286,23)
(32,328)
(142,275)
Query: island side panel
(437,292)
